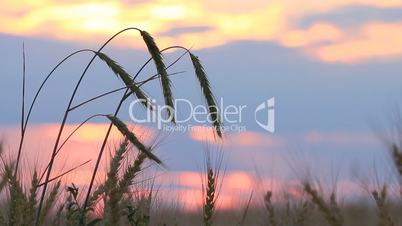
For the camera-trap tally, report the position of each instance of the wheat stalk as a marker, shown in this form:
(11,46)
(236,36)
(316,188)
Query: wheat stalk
(132,138)
(17,197)
(130,173)
(209,205)
(330,216)
(270,208)
(4,181)
(31,204)
(333,204)
(303,213)
(111,209)
(245,210)
(49,202)
(100,190)
(208,95)
(397,157)
(380,199)
(114,166)
(211,184)
(161,68)
(126,78)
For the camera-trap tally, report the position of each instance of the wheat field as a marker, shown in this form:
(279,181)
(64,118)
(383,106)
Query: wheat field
(46,199)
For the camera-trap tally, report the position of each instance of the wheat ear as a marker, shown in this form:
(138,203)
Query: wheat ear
(126,78)
(208,95)
(161,68)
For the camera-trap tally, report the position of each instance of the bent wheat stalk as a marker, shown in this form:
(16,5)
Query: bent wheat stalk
(160,66)
(156,56)
(66,113)
(125,77)
(132,138)
(207,91)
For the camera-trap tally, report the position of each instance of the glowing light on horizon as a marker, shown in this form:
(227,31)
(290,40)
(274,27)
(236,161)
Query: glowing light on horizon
(168,12)
(188,184)
(274,21)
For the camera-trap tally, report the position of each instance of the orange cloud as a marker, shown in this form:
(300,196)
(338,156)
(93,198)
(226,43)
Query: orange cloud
(316,34)
(227,21)
(372,41)
(100,19)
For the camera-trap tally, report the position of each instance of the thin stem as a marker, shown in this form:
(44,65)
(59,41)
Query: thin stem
(156,76)
(97,97)
(82,218)
(68,171)
(163,50)
(22,107)
(65,120)
(68,137)
(23,88)
(124,97)
(170,65)
(34,101)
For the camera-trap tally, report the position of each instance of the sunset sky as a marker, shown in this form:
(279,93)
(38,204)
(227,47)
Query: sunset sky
(334,68)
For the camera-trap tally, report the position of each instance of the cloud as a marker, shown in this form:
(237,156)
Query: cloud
(266,140)
(244,139)
(83,146)
(354,16)
(237,186)
(372,41)
(204,24)
(175,31)
(314,35)
(340,138)
(332,44)
(187,185)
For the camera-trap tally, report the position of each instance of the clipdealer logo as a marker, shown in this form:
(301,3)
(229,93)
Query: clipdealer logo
(230,115)
(269,107)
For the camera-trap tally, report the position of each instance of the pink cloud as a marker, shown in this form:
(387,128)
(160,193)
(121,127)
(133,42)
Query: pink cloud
(246,138)
(237,186)
(188,184)
(340,138)
(83,146)
(266,140)
(203,133)
(314,35)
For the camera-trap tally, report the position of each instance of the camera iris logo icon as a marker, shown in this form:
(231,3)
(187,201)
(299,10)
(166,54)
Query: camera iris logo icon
(269,107)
